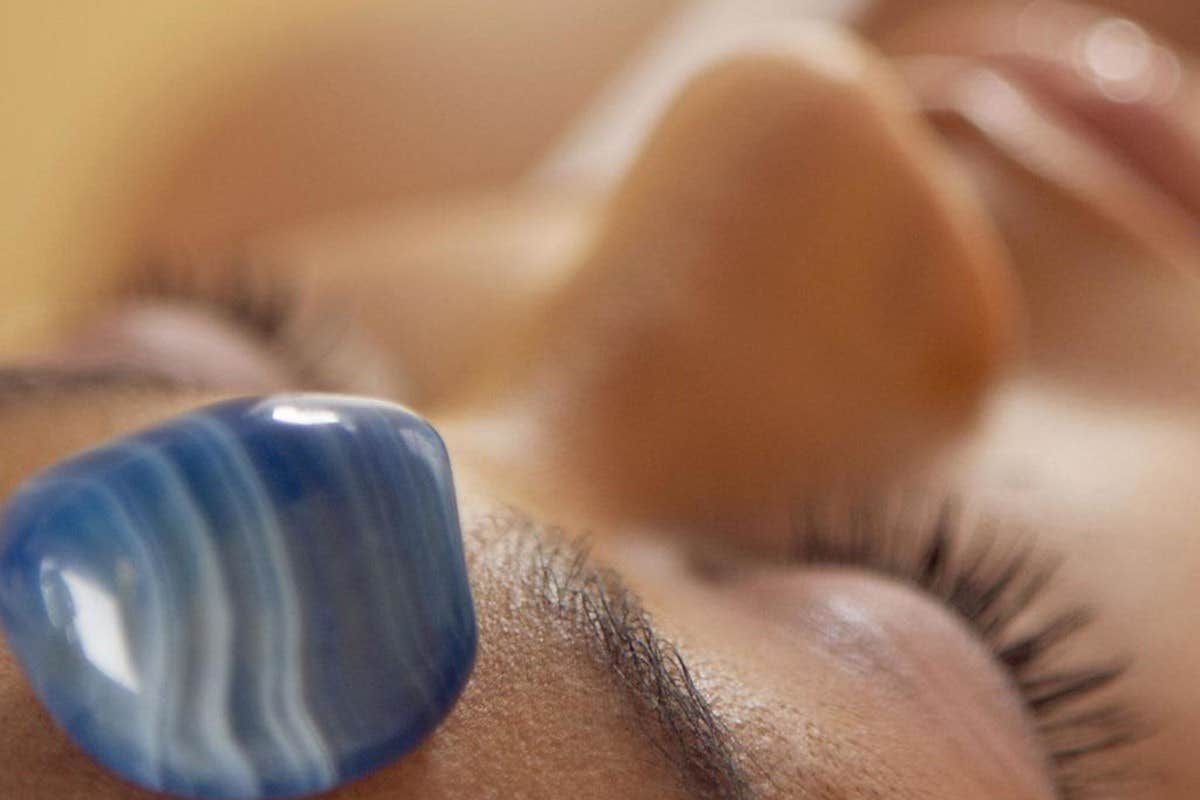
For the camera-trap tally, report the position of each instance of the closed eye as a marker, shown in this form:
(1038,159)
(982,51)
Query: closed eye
(996,585)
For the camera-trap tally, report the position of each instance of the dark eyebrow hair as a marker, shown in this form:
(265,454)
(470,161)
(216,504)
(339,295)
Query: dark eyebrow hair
(649,669)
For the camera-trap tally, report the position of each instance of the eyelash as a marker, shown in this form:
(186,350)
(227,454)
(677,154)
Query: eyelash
(258,303)
(989,587)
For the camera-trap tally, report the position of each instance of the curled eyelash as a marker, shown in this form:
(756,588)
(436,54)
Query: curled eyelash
(319,354)
(995,587)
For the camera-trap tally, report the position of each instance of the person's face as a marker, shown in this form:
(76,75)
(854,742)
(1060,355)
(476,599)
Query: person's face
(868,339)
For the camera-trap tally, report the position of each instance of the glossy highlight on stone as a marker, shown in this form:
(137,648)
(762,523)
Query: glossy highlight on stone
(262,598)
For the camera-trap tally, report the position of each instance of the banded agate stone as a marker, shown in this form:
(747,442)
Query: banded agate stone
(263,598)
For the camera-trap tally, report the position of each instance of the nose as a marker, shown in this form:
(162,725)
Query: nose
(791,285)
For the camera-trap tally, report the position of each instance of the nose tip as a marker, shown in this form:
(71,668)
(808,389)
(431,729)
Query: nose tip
(791,281)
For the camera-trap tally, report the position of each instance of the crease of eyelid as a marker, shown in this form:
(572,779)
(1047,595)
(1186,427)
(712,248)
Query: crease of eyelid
(319,352)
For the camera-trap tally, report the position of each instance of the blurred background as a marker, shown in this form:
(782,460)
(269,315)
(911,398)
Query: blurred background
(142,127)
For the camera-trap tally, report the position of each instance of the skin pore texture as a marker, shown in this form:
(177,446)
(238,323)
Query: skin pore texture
(824,273)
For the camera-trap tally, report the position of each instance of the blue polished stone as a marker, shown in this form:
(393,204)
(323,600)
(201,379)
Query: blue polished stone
(263,598)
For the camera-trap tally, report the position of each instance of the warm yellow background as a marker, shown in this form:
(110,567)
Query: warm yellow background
(93,96)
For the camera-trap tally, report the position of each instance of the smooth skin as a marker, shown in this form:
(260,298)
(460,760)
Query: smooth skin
(817,272)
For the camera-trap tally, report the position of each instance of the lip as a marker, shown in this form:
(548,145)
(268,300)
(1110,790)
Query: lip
(1083,99)
(1129,116)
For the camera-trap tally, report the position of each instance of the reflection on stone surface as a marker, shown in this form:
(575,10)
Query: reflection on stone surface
(263,598)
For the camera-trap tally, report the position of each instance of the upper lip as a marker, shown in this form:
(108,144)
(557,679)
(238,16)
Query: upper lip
(1138,126)
(1113,130)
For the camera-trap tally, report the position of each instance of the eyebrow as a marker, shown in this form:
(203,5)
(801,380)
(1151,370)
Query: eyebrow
(650,671)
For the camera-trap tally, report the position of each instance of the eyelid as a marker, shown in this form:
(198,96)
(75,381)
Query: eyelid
(256,304)
(996,585)
(992,578)
(262,333)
